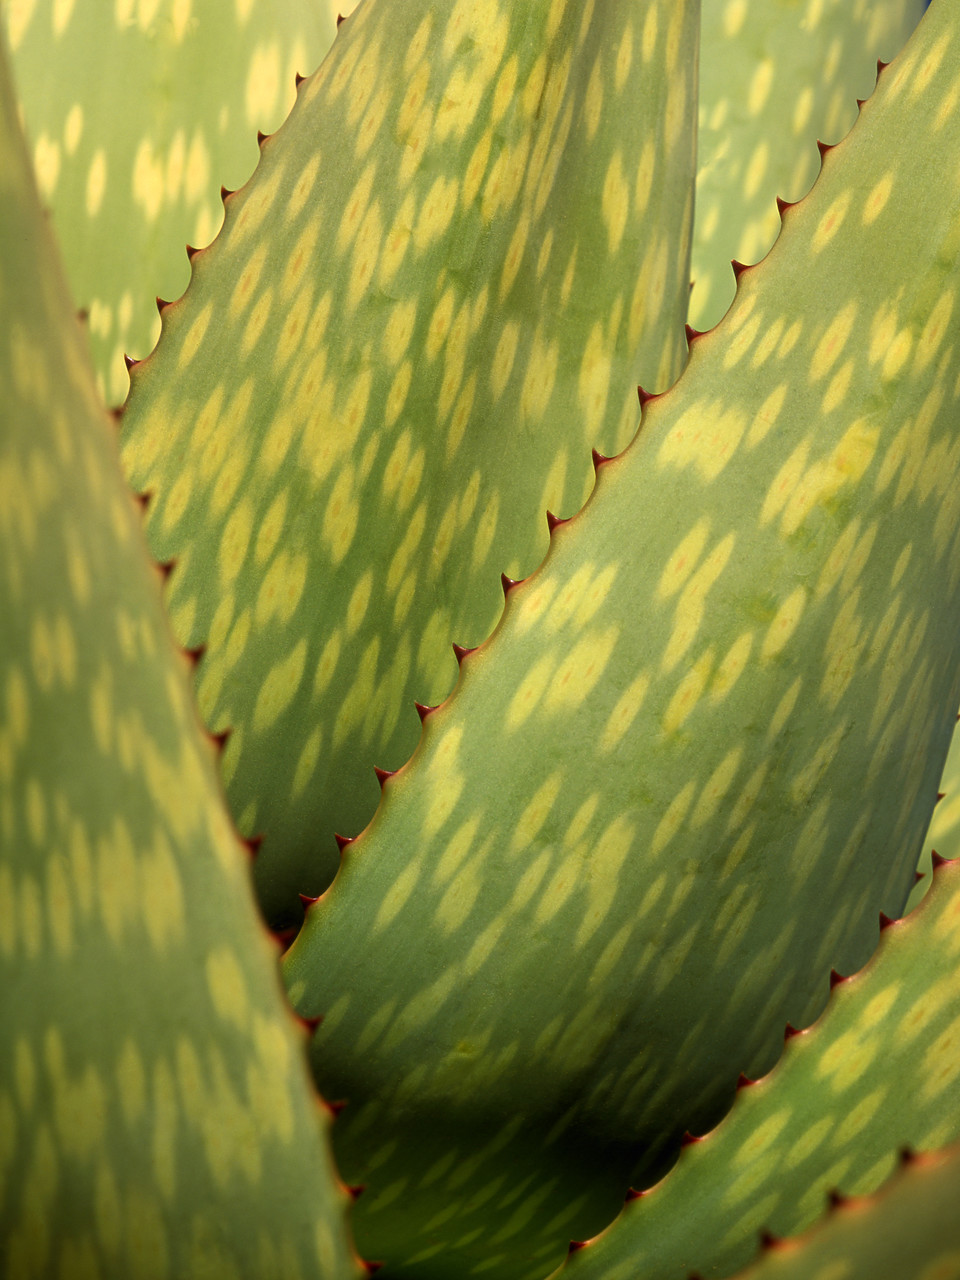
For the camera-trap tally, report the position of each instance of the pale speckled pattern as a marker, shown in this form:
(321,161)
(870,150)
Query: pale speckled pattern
(700,752)
(775,75)
(878,1072)
(138,111)
(156,1117)
(469,268)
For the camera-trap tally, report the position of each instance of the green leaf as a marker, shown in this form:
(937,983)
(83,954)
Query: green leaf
(434,297)
(943,835)
(774,77)
(138,110)
(877,1073)
(699,753)
(156,1116)
(911,1231)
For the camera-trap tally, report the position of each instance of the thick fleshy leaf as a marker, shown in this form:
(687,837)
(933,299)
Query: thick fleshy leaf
(910,1231)
(138,110)
(879,1072)
(943,835)
(434,297)
(775,76)
(698,755)
(156,1116)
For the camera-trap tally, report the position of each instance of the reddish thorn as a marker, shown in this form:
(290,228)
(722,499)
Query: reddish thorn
(633,1195)
(575,1246)
(383,775)
(881,66)
(784,205)
(166,567)
(744,1082)
(885,922)
(261,137)
(907,1155)
(224,192)
(83,315)
(337,1107)
(284,936)
(253,843)
(308,900)
(358,1190)
(836,979)
(373,1266)
(692,333)
(645,396)
(116,414)
(143,499)
(598,459)
(129,361)
(860,102)
(823,148)
(343,841)
(191,252)
(298,79)
(508,583)
(221,738)
(553,521)
(689,1139)
(423,711)
(339,18)
(940,795)
(461,653)
(195,654)
(161,303)
(311,1023)
(918,876)
(738,268)
(768,1241)
(790,1031)
(836,1200)
(936,860)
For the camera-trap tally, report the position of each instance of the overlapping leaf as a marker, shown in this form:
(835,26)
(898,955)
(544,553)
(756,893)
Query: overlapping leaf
(775,76)
(696,758)
(138,110)
(435,296)
(156,1117)
(911,1231)
(878,1073)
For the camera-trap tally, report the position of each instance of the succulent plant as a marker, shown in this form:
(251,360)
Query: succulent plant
(544,862)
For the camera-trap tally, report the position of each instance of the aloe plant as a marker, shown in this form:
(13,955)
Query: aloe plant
(679,760)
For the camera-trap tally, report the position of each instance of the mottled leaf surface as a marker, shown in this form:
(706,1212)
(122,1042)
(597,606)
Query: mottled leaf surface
(943,835)
(437,293)
(157,1120)
(775,75)
(701,750)
(880,1071)
(137,111)
(910,1231)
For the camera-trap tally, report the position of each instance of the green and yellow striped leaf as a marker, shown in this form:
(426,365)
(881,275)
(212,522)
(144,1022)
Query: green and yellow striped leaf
(698,755)
(157,1121)
(435,296)
(137,111)
(878,1073)
(775,75)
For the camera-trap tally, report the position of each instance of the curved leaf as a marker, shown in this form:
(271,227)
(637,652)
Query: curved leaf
(137,113)
(699,753)
(156,1116)
(433,298)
